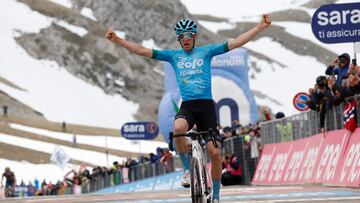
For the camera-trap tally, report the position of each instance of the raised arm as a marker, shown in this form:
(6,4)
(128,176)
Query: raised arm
(131,46)
(247,36)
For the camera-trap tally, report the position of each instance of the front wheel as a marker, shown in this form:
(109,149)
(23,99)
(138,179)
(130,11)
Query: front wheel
(197,194)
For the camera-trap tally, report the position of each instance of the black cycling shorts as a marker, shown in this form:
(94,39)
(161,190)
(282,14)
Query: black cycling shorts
(200,112)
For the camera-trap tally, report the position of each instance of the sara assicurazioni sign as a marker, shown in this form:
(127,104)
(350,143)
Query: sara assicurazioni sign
(140,130)
(337,23)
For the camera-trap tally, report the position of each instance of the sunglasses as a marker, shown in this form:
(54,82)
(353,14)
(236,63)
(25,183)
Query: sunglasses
(187,35)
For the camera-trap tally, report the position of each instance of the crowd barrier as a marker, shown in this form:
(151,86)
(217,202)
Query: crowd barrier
(134,173)
(332,158)
(237,146)
(304,124)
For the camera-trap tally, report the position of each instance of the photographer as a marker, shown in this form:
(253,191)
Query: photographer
(340,67)
(350,85)
(321,98)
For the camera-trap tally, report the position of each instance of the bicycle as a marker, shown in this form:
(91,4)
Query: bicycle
(201,182)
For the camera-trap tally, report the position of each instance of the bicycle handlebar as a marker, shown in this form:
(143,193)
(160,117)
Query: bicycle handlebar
(192,135)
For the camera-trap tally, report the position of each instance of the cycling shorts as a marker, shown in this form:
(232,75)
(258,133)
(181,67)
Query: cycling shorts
(200,112)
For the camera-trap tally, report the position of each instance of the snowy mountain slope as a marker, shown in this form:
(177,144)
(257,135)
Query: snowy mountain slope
(50,88)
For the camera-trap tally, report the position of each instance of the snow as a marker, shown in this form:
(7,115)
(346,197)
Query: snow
(150,43)
(237,10)
(28,171)
(300,73)
(95,158)
(296,28)
(216,26)
(88,13)
(65,3)
(120,33)
(60,98)
(117,143)
(72,28)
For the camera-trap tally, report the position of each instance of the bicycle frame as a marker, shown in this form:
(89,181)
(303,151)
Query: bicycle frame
(198,165)
(198,153)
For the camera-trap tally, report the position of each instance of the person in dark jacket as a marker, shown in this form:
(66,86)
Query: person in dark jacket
(232,172)
(340,67)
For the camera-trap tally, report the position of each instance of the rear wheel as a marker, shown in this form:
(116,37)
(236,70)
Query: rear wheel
(196,182)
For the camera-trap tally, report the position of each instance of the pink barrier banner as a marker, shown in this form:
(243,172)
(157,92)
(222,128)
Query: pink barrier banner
(312,146)
(263,167)
(302,160)
(316,159)
(272,163)
(332,152)
(348,171)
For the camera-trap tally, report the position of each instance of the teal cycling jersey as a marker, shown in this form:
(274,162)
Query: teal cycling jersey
(192,69)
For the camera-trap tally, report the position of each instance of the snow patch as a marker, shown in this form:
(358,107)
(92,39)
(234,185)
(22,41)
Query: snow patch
(117,143)
(150,43)
(65,3)
(95,158)
(304,30)
(87,12)
(120,33)
(237,10)
(285,83)
(72,28)
(216,26)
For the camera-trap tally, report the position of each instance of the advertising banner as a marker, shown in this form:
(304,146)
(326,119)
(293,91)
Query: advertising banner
(140,130)
(348,170)
(318,159)
(331,152)
(337,23)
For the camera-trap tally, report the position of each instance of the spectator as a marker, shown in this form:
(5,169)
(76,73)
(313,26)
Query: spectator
(321,99)
(64,126)
(43,185)
(10,180)
(232,173)
(5,111)
(279,115)
(74,144)
(159,152)
(266,114)
(340,67)
(36,184)
(255,140)
(227,132)
(115,166)
(153,158)
(166,160)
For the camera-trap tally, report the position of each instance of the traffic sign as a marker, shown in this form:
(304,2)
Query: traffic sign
(299,101)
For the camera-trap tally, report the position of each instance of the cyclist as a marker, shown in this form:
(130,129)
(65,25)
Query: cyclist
(192,68)
(10,182)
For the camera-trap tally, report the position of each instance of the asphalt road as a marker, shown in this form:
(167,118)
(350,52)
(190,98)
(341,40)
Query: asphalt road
(232,194)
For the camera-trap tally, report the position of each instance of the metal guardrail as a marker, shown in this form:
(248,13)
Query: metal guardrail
(304,124)
(134,173)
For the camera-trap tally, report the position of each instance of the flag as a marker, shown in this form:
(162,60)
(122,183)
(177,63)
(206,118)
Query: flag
(59,157)
(176,108)
(350,122)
